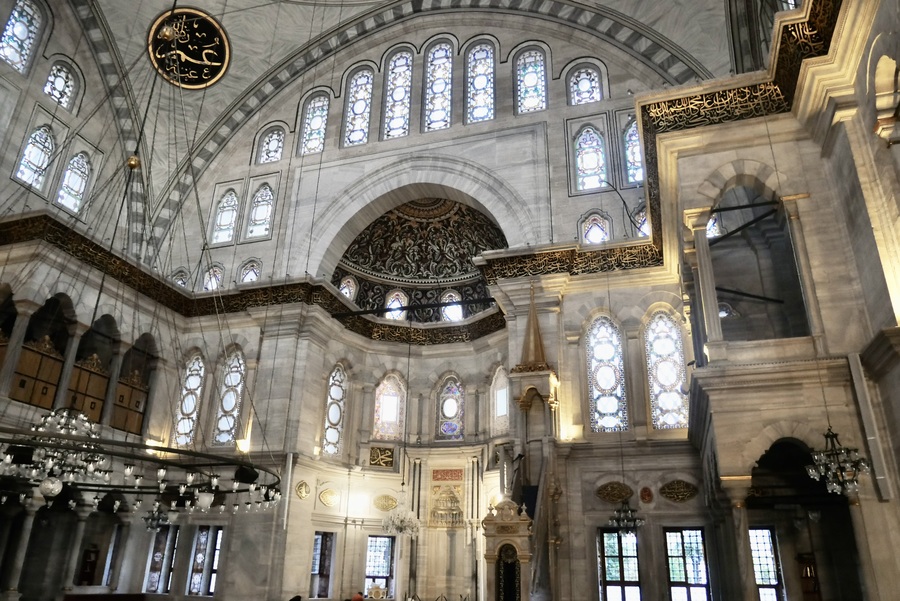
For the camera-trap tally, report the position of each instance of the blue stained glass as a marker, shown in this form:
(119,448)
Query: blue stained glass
(396,96)
(531,81)
(606,377)
(480,79)
(36,157)
(20,34)
(584,86)
(643,225)
(250,272)
(314,125)
(438,87)
(75,181)
(590,160)
(451,407)
(713,228)
(666,373)
(634,162)
(359,108)
(595,229)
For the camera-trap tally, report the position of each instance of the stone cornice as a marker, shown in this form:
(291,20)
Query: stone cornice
(883,353)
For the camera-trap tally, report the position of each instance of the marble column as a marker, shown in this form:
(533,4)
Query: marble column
(115,366)
(696,220)
(737,488)
(121,550)
(868,581)
(24,311)
(75,547)
(15,571)
(62,391)
(807,283)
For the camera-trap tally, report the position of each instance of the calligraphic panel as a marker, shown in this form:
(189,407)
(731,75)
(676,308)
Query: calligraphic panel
(198,53)
(454,475)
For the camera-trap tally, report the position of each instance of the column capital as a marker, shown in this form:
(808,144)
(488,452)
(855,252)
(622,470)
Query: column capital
(697,219)
(737,488)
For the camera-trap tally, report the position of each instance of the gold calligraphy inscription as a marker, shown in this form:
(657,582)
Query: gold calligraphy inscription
(302,489)
(381,456)
(384,502)
(614,492)
(194,53)
(446,475)
(678,491)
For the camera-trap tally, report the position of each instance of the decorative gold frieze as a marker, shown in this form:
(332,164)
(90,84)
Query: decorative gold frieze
(451,475)
(134,379)
(93,363)
(614,492)
(302,489)
(678,491)
(384,502)
(44,346)
(381,456)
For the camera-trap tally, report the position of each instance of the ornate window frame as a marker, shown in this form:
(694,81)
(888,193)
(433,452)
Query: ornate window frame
(189,365)
(500,423)
(232,361)
(387,96)
(338,404)
(76,80)
(245,267)
(516,56)
(392,382)
(679,356)
(351,76)
(43,18)
(445,424)
(602,319)
(85,192)
(306,126)
(430,47)
(469,48)
(46,176)
(260,141)
(586,63)
(590,216)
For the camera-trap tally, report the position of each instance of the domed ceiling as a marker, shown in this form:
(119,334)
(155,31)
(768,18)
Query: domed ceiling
(424,248)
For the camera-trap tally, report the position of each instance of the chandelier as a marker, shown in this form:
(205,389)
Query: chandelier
(839,466)
(64,458)
(625,518)
(401,520)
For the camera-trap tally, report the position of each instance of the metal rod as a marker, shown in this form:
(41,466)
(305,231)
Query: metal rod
(473,301)
(715,241)
(749,206)
(768,299)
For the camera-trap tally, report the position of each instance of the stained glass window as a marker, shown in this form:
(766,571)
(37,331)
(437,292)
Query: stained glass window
(590,160)
(687,565)
(348,287)
(231,391)
(643,224)
(451,312)
(395,300)
(359,107)
(205,560)
(161,562)
(260,219)
(713,228)
(595,229)
(314,123)
(500,405)
(380,565)
(396,96)
(765,564)
(665,371)
(20,34)
(36,157)
(226,218)
(480,83)
(74,182)
(606,377)
(617,564)
(180,278)
(451,406)
(212,279)
(60,85)
(189,404)
(584,86)
(334,411)
(634,162)
(272,146)
(531,82)
(438,86)
(250,271)
(390,408)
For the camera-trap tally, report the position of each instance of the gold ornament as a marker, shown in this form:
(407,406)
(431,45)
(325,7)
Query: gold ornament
(167,33)
(678,491)
(133,162)
(614,492)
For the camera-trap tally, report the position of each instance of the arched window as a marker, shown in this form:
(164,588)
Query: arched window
(606,377)
(390,408)
(451,312)
(713,227)
(314,122)
(665,372)
(226,218)
(212,279)
(643,224)
(20,34)
(180,277)
(74,182)
(480,83)
(260,219)
(590,160)
(334,411)
(584,86)
(189,404)
(250,271)
(60,85)
(231,391)
(359,107)
(394,301)
(450,410)
(272,146)
(36,157)
(396,95)
(634,162)
(438,86)
(531,82)
(595,229)
(349,287)
(500,403)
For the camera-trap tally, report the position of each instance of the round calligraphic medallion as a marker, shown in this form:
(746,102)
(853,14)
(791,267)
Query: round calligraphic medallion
(188,48)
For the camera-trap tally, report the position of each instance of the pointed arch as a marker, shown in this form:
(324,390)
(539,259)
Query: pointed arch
(225,220)
(390,408)
(451,402)
(75,182)
(262,208)
(271,146)
(36,157)
(590,159)
(500,406)
(62,85)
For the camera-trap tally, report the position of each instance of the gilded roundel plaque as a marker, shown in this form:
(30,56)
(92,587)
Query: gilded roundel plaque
(189,48)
